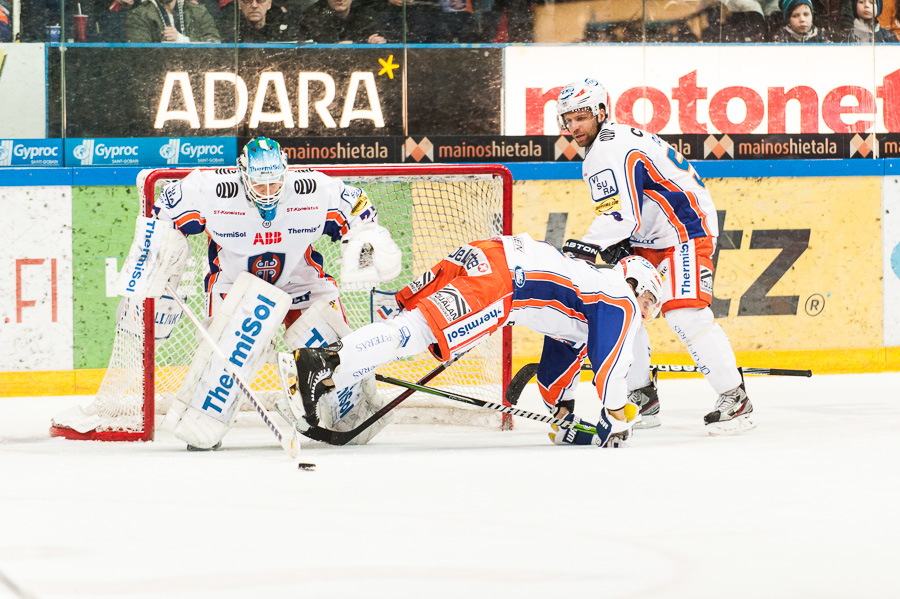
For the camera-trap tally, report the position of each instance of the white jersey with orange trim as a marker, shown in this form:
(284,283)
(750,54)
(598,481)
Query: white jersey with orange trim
(213,201)
(642,189)
(591,310)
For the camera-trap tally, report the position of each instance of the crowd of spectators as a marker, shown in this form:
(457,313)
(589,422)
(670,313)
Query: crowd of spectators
(761,21)
(274,21)
(448,21)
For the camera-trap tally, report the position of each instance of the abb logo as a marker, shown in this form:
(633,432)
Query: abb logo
(267,238)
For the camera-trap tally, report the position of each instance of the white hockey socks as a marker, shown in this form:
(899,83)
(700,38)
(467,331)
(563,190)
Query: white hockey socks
(366,349)
(708,345)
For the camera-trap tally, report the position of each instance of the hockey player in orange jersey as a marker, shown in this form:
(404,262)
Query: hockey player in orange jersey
(501,281)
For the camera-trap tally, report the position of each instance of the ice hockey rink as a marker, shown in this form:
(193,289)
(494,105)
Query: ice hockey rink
(805,506)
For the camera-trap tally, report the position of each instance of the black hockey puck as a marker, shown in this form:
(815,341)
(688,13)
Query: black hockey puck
(306,466)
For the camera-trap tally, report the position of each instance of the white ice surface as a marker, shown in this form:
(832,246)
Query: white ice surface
(805,506)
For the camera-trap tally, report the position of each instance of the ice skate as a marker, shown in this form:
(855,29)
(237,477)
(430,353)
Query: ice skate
(647,401)
(305,376)
(733,413)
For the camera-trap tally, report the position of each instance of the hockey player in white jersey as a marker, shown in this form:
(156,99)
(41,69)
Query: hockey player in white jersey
(649,201)
(501,281)
(262,218)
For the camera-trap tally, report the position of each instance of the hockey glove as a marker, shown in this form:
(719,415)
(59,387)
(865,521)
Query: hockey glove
(369,256)
(580,250)
(568,436)
(613,432)
(616,252)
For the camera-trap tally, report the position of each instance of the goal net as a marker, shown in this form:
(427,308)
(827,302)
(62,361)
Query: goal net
(429,209)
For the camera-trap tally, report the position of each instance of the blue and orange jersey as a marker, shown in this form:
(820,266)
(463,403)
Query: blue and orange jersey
(590,311)
(642,189)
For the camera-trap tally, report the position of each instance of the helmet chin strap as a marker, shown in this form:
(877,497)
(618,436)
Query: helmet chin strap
(267,214)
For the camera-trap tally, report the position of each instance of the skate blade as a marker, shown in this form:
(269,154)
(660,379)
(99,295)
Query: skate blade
(735,426)
(652,421)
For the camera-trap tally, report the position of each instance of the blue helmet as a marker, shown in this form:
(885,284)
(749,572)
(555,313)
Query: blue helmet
(263,168)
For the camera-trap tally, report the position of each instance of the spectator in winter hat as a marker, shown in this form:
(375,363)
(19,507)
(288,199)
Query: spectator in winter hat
(865,28)
(798,24)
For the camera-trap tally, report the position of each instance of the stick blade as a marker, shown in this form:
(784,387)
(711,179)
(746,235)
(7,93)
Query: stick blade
(518,382)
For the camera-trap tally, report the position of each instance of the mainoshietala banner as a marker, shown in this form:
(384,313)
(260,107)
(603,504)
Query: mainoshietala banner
(174,152)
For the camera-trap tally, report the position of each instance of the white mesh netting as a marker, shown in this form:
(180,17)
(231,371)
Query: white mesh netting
(428,213)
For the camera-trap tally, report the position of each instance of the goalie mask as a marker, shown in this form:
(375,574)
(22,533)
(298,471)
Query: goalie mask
(640,273)
(263,167)
(586,94)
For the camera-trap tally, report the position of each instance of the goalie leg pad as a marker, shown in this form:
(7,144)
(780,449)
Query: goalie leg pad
(206,404)
(321,324)
(365,400)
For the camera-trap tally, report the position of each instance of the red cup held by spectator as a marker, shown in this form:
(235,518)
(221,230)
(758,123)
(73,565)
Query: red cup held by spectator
(81,23)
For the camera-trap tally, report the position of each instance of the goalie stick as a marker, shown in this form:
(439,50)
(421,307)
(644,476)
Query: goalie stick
(326,435)
(291,444)
(527,372)
(486,404)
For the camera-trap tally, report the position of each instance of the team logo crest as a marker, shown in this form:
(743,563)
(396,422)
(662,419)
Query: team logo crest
(519,276)
(171,195)
(267,266)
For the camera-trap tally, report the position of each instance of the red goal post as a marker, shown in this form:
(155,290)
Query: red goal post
(429,208)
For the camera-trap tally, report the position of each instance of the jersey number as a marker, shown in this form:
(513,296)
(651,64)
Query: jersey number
(682,164)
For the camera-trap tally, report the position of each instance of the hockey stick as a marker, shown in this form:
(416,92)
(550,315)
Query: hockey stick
(318,433)
(527,372)
(290,444)
(486,404)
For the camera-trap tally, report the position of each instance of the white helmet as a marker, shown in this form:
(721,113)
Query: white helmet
(645,277)
(263,162)
(586,94)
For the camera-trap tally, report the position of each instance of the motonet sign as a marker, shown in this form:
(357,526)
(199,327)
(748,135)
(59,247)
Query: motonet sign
(713,89)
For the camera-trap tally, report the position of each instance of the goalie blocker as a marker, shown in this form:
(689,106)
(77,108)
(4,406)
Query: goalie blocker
(158,256)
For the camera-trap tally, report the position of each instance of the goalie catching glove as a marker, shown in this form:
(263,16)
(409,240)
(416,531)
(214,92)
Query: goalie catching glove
(369,256)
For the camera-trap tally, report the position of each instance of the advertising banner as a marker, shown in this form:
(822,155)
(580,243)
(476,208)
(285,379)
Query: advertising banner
(174,152)
(480,149)
(717,90)
(36,279)
(338,150)
(23,89)
(31,152)
(103,220)
(891,251)
(278,92)
(792,263)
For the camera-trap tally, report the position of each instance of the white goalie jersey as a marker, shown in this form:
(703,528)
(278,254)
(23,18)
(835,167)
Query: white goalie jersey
(280,251)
